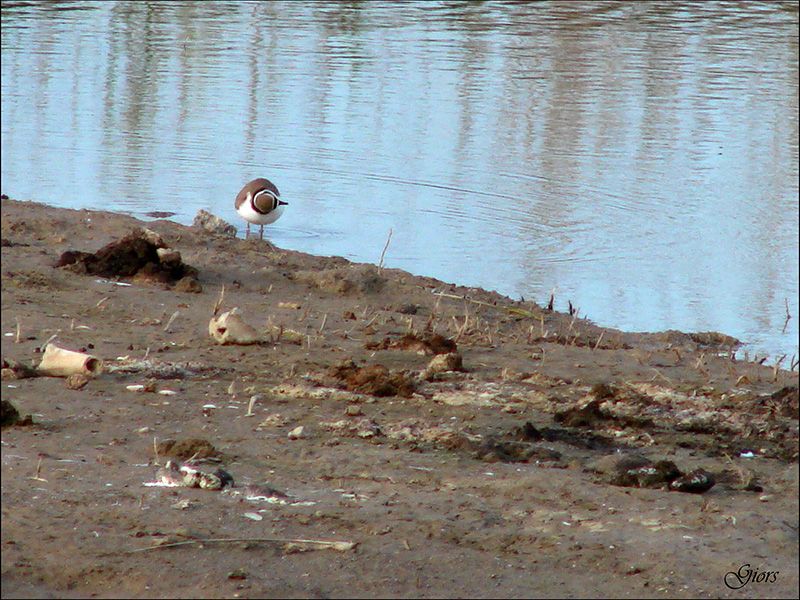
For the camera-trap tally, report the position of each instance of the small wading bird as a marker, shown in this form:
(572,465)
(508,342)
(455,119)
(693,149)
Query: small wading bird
(259,203)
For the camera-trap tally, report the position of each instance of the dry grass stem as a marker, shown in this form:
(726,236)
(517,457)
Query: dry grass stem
(220,300)
(788,315)
(600,339)
(389,239)
(320,544)
(174,316)
(776,368)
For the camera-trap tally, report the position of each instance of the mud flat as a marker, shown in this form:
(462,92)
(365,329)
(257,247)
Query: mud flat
(386,434)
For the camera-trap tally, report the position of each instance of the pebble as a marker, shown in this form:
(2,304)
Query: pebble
(76,381)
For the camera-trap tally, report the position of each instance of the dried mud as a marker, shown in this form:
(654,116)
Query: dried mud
(409,437)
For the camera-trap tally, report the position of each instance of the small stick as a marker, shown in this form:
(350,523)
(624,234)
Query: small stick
(155,449)
(251,404)
(600,339)
(777,367)
(38,470)
(304,316)
(699,361)
(324,320)
(18,337)
(174,316)
(323,543)
(218,303)
(102,300)
(788,316)
(372,320)
(389,239)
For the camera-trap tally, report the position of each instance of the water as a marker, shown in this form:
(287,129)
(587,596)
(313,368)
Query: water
(640,159)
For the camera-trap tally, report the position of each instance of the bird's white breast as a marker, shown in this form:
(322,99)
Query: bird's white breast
(248,213)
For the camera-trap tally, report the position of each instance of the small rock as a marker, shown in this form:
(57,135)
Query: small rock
(273,420)
(408,309)
(296,433)
(442,363)
(168,255)
(205,220)
(76,381)
(188,285)
(451,361)
(239,573)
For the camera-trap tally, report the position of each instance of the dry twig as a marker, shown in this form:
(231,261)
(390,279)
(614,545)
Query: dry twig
(320,544)
(219,301)
(389,239)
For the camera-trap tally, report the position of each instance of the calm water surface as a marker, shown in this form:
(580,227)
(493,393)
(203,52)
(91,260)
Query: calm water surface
(640,159)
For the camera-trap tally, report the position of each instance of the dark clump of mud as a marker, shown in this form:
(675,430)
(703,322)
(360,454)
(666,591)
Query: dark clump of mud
(376,380)
(426,344)
(142,256)
(187,449)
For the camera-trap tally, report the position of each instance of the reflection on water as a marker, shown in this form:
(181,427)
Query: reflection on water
(641,158)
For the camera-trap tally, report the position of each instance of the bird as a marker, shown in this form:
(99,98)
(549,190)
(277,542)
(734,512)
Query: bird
(259,203)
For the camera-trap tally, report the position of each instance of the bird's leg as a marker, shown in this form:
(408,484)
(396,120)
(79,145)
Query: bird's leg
(247,231)
(262,233)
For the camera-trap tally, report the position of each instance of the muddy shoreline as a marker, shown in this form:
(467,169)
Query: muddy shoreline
(450,440)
